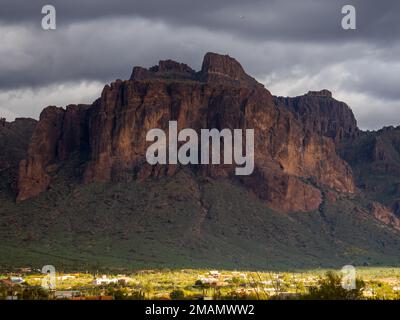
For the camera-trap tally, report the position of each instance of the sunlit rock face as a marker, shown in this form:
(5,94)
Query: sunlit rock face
(295,152)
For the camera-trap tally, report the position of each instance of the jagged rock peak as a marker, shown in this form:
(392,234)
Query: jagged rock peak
(164,70)
(14,141)
(222,64)
(225,69)
(5,123)
(321,93)
(172,66)
(216,68)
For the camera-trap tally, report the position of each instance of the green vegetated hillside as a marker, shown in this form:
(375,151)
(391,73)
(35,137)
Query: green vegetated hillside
(183,221)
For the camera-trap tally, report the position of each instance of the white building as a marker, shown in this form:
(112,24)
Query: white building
(104,280)
(214,273)
(16,279)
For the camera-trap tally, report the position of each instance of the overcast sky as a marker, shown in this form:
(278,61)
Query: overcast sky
(290,46)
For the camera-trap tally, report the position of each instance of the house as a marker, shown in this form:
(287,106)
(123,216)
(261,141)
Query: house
(104,280)
(67,294)
(214,273)
(17,280)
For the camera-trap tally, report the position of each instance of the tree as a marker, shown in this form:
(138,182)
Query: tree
(330,288)
(177,295)
(117,293)
(34,293)
(203,286)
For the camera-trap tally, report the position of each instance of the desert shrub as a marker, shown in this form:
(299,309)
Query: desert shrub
(330,288)
(198,283)
(177,295)
(118,294)
(383,291)
(137,295)
(34,293)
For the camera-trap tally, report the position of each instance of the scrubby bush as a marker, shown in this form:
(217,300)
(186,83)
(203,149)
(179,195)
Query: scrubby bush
(330,288)
(177,295)
(198,283)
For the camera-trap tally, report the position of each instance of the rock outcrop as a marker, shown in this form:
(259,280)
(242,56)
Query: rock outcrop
(292,159)
(166,69)
(384,214)
(225,70)
(58,134)
(321,113)
(375,160)
(14,140)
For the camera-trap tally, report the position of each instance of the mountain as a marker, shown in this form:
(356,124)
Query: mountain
(109,136)
(86,195)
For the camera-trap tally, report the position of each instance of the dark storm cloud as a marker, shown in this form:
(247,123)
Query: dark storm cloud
(290,45)
(268,19)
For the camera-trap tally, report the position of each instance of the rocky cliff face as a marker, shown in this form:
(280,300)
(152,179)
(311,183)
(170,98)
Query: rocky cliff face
(384,214)
(58,134)
(321,113)
(292,159)
(14,140)
(375,159)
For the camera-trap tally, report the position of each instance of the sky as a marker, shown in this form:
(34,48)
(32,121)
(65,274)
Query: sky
(291,46)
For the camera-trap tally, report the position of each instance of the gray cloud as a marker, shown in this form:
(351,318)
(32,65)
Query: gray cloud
(261,19)
(291,46)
